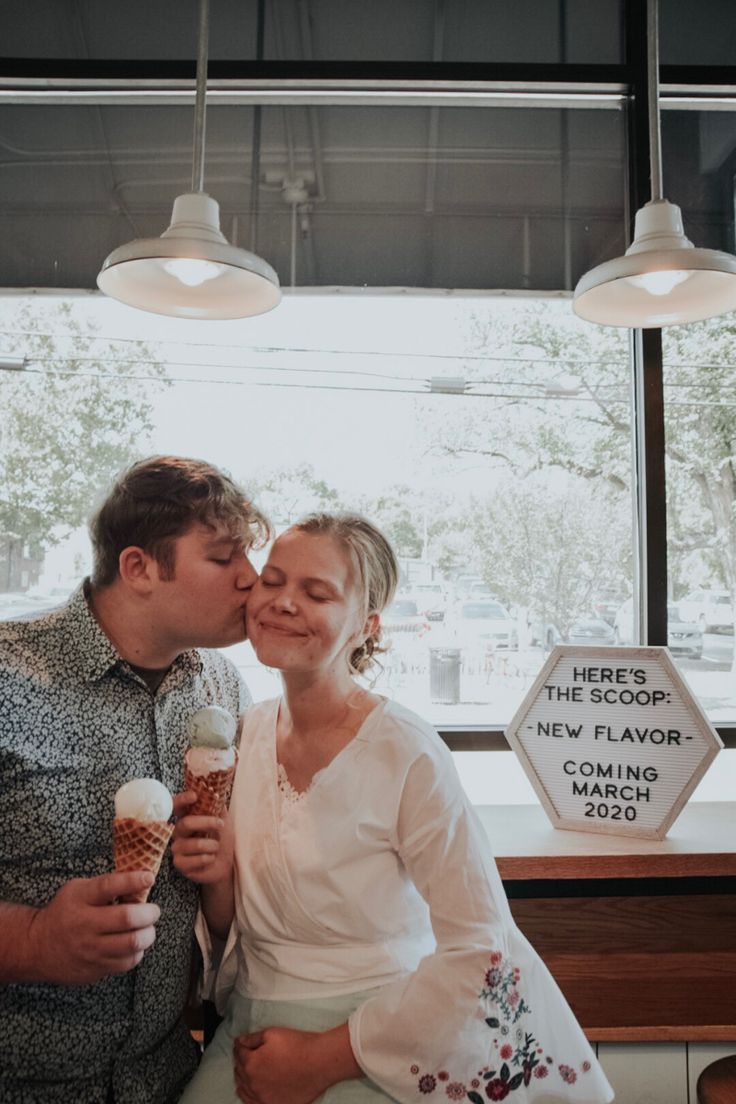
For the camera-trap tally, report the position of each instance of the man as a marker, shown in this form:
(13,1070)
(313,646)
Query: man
(91,695)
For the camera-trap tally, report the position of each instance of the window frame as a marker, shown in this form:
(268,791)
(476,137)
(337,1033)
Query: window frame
(96,82)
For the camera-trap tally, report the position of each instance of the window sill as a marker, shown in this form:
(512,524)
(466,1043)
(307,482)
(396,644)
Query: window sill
(701,843)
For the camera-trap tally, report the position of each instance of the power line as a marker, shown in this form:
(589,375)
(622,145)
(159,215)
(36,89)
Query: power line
(580,398)
(537,388)
(298,386)
(276,349)
(30,358)
(406,354)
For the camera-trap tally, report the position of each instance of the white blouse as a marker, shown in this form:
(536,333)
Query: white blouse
(380,876)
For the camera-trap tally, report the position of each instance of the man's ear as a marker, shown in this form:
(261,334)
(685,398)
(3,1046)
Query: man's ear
(137,569)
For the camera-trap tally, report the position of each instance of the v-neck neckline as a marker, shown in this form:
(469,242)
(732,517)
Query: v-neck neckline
(278,768)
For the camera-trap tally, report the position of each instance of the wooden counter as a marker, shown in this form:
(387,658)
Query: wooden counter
(640,934)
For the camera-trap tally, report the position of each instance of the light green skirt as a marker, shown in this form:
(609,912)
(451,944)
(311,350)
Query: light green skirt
(213,1083)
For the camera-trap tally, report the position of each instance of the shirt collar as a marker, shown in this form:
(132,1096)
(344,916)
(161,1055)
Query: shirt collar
(96,653)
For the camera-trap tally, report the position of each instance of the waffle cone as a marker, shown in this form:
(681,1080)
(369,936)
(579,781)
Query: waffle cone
(139,845)
(212,790)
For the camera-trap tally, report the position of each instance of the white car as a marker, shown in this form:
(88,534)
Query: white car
(404,616)
(711,609)
(15,605)
(623,624)
(431,600)
(684,636)
(485,622)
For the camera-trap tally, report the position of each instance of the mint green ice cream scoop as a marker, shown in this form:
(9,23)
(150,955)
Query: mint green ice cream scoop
(211,727)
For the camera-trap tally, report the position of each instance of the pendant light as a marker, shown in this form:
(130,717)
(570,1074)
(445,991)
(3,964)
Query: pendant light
(192,271)
(662,279)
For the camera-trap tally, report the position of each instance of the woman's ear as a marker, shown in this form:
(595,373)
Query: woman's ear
(137,569)
(372,624)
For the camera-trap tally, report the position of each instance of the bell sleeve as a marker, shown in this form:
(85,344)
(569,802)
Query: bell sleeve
(481,1018)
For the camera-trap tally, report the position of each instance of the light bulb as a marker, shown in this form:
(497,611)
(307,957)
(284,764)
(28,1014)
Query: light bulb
(192,272)
(659,283)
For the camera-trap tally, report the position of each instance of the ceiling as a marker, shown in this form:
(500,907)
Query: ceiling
(420,196)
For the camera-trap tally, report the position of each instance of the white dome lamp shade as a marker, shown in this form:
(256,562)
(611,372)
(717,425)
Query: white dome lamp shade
(192,271)
(662,279)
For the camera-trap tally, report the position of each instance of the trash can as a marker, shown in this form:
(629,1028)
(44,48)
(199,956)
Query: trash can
(444,675)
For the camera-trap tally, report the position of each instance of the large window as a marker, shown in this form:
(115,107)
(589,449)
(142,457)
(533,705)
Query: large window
(428,213)
(488,436)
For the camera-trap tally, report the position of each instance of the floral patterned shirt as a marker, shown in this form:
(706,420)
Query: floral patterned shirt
(76,722)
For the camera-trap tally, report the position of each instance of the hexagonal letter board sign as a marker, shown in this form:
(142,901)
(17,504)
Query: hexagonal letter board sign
(612,740)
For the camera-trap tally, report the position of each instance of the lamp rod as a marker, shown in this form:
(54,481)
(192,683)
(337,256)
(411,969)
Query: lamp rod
(255,153)
(201,94)
(655,135)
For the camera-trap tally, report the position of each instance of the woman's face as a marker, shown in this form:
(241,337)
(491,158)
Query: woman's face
(304,613)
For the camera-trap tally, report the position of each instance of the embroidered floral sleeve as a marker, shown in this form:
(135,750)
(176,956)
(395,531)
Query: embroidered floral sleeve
(517,1055)
(481,1018)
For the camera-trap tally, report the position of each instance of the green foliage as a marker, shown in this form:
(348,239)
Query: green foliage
(286,494)
(401,519)
(68,422)
(558,400)
(552,550)
(701,452)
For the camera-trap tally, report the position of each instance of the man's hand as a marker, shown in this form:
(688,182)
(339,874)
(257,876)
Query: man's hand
(279,1064)
(201,846)
(84,934)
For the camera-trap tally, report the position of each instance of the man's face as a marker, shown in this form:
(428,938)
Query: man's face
(204,604)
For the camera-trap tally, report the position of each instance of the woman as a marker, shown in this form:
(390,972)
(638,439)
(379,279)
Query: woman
(373,955)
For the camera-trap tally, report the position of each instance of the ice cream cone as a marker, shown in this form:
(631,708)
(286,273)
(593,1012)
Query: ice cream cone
(139,845)
(212,789)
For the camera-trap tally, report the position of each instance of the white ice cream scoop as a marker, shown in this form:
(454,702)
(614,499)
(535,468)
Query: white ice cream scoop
(143,799)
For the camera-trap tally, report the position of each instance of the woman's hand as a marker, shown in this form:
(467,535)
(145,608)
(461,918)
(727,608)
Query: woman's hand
(275,1065)
(202,846)
(279,1064)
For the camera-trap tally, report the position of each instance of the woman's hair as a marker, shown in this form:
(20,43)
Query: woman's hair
(376,569)
(159,499)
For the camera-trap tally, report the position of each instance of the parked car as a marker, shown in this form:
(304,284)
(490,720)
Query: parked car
(404,616)
(712,610)
(479,591)
(485,622)
(683,637)
(14,605)
(605,606)
(543,633)
(623,623)
(464,585)
(431,600)
(591,630)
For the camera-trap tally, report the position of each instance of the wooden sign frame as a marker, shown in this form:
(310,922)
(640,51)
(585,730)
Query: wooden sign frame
(611,684)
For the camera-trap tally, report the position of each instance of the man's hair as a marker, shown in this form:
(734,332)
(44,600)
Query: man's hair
(157,500)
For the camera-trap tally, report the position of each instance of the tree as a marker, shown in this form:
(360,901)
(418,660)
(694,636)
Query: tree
(701,443)
(565,406)
(286,494)
(394,510)
(419,524)
(69,420)
(548,549)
